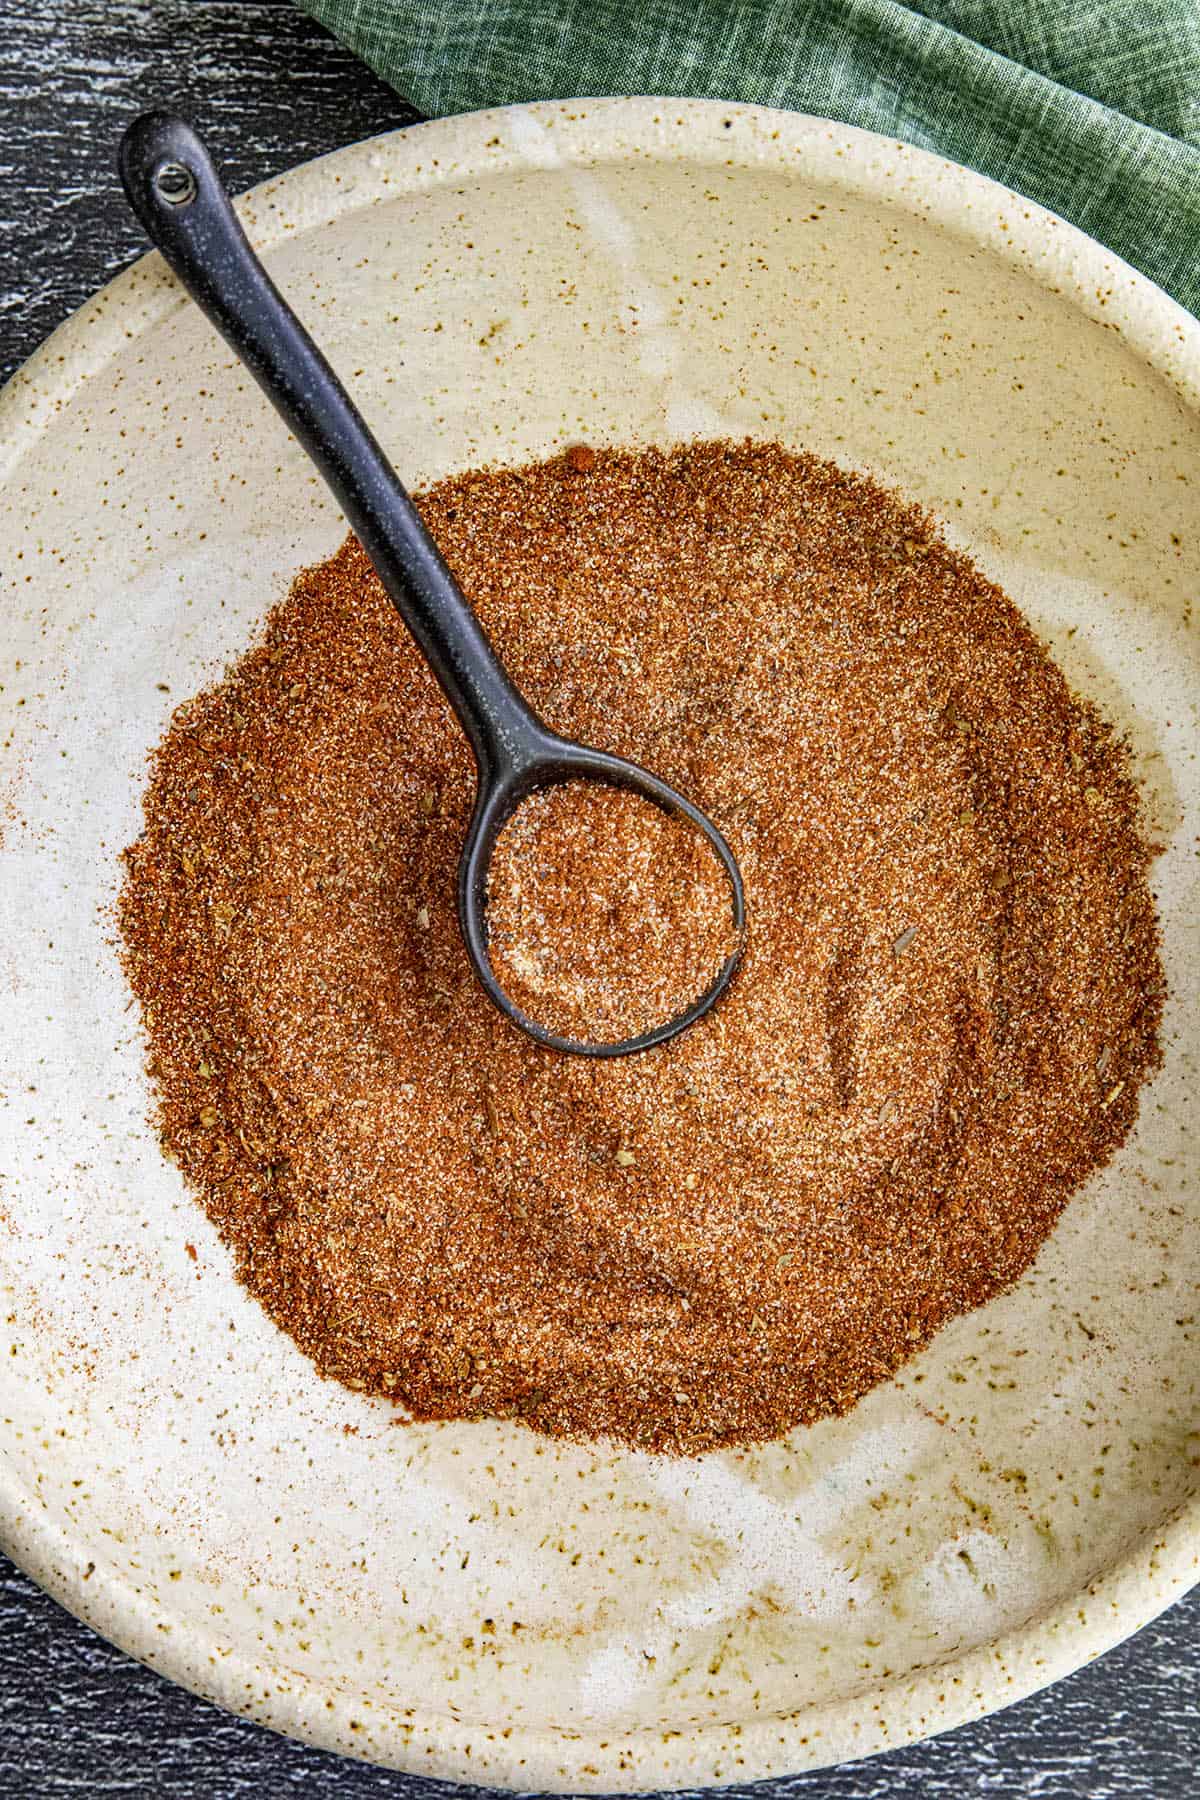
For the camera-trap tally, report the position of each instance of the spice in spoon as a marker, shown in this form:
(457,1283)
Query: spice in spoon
(606,915)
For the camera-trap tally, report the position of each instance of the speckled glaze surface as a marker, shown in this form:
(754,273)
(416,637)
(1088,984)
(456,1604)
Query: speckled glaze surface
(468,1600)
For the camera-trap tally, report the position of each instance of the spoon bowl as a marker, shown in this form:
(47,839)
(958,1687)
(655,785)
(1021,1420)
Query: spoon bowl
(552,762)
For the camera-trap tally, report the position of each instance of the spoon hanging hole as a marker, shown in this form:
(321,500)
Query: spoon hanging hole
(175,183)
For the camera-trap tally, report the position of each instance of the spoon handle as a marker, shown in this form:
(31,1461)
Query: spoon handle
(177,194)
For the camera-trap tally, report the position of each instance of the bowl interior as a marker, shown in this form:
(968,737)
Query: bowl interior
(170,1462)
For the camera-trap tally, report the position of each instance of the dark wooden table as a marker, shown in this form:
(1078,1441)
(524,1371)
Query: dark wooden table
(77,1717)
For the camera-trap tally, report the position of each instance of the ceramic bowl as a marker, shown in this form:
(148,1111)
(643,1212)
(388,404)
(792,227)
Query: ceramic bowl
(470,1600)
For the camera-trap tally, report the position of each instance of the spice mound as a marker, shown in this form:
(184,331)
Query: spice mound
(949,997)
(606,916)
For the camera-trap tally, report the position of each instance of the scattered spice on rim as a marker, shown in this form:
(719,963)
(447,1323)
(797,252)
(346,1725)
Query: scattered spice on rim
(949,1000)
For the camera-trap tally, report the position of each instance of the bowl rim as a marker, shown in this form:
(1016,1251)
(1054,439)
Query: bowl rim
(1160,1564)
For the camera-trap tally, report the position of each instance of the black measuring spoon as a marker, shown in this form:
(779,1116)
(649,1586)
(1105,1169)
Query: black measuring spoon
(177,194)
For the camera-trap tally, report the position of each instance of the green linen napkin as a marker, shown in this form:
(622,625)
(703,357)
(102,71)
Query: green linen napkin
(1091,107)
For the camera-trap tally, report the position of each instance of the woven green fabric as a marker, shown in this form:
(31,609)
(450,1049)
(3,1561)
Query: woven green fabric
(1091,107)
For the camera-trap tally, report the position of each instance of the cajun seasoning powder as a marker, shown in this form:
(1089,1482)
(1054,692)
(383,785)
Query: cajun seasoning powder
(605,915)
(949,998)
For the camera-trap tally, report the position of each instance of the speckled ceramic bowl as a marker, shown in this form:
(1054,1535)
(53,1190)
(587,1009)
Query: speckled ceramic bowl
(469,1600)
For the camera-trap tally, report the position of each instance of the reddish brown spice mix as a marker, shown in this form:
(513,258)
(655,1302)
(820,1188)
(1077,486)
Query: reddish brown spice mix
(605,915)
(950,995)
